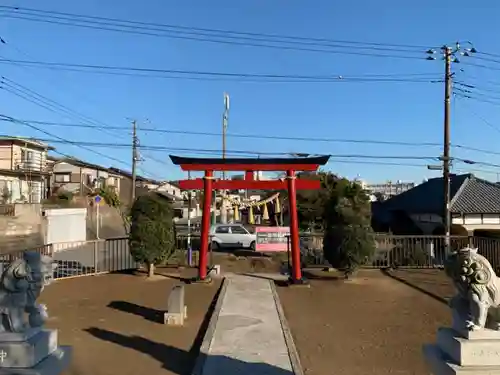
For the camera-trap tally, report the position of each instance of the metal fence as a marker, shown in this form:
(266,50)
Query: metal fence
(102,256)
(84,258)
(7,210)
(406,251)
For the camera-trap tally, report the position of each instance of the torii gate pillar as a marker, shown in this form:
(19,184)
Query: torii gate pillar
(288,165)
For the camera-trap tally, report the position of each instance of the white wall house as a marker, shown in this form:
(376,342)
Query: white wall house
(75,175)
(23,170)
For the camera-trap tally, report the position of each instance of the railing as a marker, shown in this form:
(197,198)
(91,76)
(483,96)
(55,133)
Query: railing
(7,210)
(406,251)
(102,256)
(84,258)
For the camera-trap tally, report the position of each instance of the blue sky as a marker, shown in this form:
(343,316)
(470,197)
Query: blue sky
(389,111)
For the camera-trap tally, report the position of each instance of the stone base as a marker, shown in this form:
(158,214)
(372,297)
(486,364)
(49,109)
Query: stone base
(27,354)
(207,280)
(215,272)
(175,319)
(54,364)
(478,351)
(21,336)
(464,352)
(440,365)
(304,283)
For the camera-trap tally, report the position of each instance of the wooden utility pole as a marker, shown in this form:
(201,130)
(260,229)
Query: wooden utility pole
(134,160)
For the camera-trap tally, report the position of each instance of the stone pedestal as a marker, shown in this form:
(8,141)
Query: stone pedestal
(34,352)
(464,352)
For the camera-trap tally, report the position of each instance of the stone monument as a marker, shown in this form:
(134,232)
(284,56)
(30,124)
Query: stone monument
(25,346)
(472,344)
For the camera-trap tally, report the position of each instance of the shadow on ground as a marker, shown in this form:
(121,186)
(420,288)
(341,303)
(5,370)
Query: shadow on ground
(171,357)
(423,282)
(319,274)
(174,359)
(147,313)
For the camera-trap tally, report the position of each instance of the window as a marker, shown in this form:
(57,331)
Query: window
(26,155)
(238,230)
(222,230)
(64,177)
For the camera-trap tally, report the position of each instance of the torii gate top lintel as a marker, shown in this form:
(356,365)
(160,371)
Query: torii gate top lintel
(250,164)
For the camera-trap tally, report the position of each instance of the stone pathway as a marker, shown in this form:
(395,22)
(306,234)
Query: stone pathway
(248,337)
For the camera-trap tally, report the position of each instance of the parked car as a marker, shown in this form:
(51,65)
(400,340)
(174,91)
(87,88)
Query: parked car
(231,236)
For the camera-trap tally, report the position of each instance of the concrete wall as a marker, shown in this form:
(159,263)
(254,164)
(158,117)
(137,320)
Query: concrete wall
(65,225)
(21,232)
(110,223)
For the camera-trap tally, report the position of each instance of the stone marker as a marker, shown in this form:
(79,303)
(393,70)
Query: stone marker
(472,344)
(215,271)
(177,310)
(25,346)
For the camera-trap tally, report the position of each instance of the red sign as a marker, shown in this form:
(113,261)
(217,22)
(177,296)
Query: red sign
(272,238)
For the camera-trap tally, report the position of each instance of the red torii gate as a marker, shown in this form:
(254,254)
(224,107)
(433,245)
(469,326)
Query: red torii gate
(249,165)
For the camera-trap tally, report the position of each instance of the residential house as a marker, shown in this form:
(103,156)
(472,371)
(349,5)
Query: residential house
(143,184)
(23,170)
(173,189)
(77,176)
(474,207)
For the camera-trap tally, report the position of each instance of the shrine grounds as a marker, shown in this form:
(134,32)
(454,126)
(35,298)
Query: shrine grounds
(375,324)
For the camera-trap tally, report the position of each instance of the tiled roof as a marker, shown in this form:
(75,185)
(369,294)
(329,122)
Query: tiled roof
(477,196)
(469,194)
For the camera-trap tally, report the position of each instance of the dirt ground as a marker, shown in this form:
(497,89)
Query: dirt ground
(433,282)
(115,324)
(371,325)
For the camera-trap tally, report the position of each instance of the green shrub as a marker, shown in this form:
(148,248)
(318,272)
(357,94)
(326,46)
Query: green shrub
(65,195)
(152,231)
(348,238)
(415,256)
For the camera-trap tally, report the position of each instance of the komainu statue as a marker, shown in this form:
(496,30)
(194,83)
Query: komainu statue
(21,283)
(477,302)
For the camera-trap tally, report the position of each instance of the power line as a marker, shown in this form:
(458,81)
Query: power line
(195,74)
(207,35)
(51,105)
(52,82)
(219,31)
(252,152)
(252,136)
(235,135)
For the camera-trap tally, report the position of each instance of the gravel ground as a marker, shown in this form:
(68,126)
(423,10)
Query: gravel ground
(115,324)
(371,325)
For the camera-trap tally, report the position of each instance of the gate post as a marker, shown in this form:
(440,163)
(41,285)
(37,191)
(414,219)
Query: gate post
(296,276)
(96,258)
(205,224)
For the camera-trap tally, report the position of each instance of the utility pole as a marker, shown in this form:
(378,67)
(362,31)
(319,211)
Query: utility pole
(446,146)
(135,158)
(190,250)
(449,56)
(225,116)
